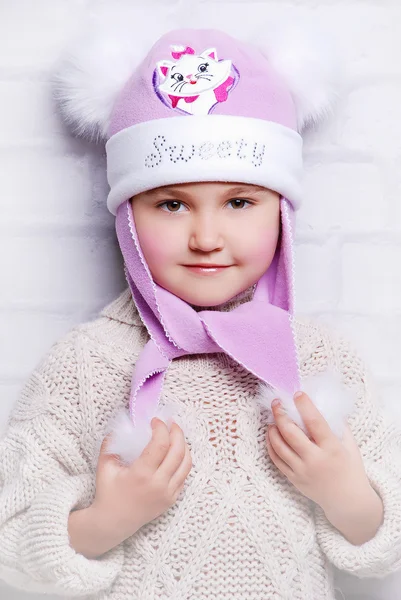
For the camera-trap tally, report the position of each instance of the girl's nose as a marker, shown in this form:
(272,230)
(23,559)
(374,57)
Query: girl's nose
(206,237)
(189,76)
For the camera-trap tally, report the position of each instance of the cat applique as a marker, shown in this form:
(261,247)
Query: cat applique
(195,83)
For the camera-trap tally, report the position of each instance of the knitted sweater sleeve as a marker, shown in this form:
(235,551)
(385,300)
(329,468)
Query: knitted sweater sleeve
(379,440)
(44,475)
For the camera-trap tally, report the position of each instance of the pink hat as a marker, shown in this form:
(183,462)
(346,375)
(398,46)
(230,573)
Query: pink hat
(243,123)
(247,105)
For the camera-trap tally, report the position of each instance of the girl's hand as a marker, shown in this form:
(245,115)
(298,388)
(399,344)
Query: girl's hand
(129,497)
(324,469)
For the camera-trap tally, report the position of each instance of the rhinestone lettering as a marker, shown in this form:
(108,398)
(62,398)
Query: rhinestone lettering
(252,152)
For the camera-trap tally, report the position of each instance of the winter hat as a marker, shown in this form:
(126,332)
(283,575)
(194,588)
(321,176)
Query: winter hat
(201,105)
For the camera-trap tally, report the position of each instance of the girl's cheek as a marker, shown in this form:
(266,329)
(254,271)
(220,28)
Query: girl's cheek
(259,248)
(157,245)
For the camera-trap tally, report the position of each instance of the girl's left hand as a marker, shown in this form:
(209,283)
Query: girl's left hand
(324,469)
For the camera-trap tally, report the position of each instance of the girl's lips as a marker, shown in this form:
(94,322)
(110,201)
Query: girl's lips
(206,270)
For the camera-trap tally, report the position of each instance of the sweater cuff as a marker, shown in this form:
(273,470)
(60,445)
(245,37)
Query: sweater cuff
(381,555)
(46,553)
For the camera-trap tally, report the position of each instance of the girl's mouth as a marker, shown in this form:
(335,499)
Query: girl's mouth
(207,270)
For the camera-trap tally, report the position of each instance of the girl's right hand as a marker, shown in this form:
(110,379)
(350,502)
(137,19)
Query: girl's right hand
(128,497)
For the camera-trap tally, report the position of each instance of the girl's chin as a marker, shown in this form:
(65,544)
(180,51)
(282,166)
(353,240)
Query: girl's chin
(205,291)
(201,299)
(208,299)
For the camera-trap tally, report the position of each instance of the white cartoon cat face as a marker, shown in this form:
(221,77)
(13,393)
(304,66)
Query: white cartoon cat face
(193,74)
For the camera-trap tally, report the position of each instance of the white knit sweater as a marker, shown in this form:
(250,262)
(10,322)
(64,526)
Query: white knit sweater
(240,530)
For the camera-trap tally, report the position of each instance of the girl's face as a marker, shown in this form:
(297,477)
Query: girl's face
(234,226)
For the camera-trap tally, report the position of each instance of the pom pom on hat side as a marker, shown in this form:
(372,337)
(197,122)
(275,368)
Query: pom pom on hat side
(309,62)
(94,68)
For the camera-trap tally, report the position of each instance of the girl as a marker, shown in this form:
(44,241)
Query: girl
(226,494)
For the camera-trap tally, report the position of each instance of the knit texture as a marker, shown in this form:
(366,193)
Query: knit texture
(239,529)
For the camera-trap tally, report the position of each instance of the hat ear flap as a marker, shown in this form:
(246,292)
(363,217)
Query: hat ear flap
(94,69)
(309,63)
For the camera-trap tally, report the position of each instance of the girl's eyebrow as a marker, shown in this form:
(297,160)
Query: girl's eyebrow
(248,190)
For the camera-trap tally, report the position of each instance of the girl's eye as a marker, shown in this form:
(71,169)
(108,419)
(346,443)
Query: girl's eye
(202,68)
(239,200)
(177,77)
(173,203)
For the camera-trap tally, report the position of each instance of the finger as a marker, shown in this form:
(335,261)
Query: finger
(104,444)
(348,438)
(104,454)
(291,433)
(154,453)
(176,452)
(178,490)
(179,477)
(314,421)
(280,464)
(282,449)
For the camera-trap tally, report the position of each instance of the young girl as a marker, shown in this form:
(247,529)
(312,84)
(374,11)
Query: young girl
(225,495)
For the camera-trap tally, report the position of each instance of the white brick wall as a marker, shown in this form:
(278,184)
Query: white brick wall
(59,259)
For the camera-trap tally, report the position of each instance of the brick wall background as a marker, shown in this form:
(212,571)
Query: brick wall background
(59,259)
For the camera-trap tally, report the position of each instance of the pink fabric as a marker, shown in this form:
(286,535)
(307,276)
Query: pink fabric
(174,99)
(259,92)
(221,92)
(257,334)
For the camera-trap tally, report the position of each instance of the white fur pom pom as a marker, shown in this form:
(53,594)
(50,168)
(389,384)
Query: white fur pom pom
(96,66)
(310,65)
(127,440)
(328,393)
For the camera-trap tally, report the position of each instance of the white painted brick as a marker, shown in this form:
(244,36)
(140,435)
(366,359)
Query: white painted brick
(32,32)
(317,276)
(371,277)
(368,36)
(41,186)
(215,15)
(372,120)
(393,192)
(27,112)
(26,336)
(343,196)
(58,269)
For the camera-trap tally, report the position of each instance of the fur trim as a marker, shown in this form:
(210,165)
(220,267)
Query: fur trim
(94,69)
(127,440)
(327,391)
(309,63)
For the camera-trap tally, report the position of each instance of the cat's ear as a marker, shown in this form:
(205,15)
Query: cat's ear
(210,53)
(93,70)
(309,62)
(163,67)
